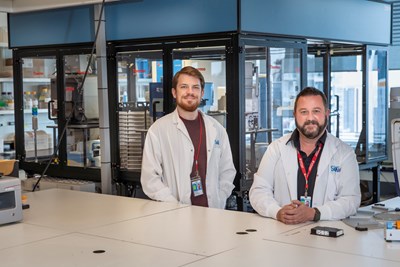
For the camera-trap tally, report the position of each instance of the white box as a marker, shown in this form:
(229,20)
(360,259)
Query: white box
(43,140)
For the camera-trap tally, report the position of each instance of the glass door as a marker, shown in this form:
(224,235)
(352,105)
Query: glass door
(347,98)
(143,92)
(377,102)
(140,101)
(81,111)
(211,62)
(355,81)
(315,69)
(57,131)
(272,80)
(39,130)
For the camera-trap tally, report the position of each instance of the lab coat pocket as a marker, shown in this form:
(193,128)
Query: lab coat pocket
(333,181)
(216,150)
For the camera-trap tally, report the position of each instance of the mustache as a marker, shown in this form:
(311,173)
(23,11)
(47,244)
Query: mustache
(189,95)
(311,122)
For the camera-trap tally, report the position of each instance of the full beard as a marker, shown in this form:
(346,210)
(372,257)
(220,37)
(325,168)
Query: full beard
(189,106)
(311,134)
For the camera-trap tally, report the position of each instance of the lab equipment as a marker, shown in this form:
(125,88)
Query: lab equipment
(392,231)
(10,200)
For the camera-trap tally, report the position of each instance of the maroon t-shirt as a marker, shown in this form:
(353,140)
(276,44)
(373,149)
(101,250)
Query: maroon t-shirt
(193,128)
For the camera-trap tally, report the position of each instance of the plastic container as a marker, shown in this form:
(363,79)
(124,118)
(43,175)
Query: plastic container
(28,100)
(3,100)
(35,101)
(10,101)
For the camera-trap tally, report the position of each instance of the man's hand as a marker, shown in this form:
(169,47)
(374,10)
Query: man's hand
(295,213)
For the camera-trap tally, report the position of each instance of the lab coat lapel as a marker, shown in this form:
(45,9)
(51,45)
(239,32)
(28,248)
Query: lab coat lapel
(326,157)
(289,156)
(211,135)
(180,157)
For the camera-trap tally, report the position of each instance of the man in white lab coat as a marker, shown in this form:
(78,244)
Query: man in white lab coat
(308,175)
(187,156)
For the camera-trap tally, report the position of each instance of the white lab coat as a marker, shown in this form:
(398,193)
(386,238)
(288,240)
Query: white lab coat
(337,186)
(168,159)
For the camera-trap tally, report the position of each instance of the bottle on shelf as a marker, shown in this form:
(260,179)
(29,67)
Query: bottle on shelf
(25,99)
(28,100)
(35,104)
(35,113)
(3,100)
(125,97)
(35,101)
(10,100)
(44,98)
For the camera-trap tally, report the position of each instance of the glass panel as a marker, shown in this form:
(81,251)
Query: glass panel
(285,85)
(256,107)
(211,63)
(37,73)
(377,105)
(346,100)
(315,68)
(394,107)
(315,78)
(6,90)
(272,81)
(81,106)
(140,96)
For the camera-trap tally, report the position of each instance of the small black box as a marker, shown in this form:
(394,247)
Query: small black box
(326,231)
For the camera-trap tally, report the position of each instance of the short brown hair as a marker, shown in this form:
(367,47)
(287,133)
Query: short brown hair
(188,70)
(308,91)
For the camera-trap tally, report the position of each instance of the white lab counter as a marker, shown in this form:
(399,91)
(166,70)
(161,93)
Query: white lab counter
(197,230)
(72,228)
(262,253)
(75,210)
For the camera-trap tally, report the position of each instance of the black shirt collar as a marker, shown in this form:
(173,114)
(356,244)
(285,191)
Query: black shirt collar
(295,138)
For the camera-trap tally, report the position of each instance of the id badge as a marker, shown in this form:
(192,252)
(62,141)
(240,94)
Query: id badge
(196,186)
(306,200)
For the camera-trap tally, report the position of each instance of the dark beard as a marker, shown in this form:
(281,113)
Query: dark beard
(188,107)
(312,135)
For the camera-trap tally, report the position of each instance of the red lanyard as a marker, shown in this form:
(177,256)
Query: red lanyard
(196,157)
(303,169)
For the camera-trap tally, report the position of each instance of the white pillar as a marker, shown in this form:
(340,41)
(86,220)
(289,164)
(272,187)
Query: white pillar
(104,119)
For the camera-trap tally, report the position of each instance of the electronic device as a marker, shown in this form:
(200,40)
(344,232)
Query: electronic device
(361,228)
(82,103)
(327,231)
(392,231)
(380,206)
(10,200)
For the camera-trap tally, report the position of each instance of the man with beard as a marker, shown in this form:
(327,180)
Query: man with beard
(308,175)
(187,156)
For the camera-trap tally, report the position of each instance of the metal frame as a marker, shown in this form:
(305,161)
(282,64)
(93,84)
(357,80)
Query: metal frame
(61,169)
(367,49)
(356,49)
(131,179)
(237,99)
(235,59)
